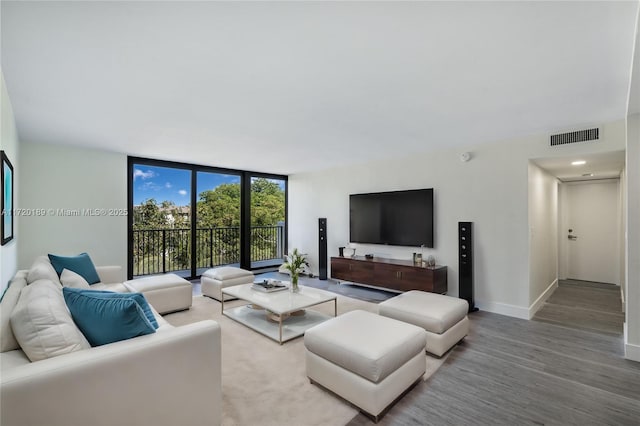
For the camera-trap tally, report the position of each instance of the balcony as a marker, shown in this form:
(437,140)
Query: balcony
(157,251)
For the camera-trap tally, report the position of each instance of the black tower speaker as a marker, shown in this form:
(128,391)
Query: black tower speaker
(465,263)
(322,248)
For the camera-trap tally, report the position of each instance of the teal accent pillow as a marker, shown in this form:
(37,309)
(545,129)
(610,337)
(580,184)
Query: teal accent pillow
(138,297)
(106,320)
(80,264)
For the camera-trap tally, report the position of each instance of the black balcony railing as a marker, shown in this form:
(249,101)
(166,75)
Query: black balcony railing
(167,250)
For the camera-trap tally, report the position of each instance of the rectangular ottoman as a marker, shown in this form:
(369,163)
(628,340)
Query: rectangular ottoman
(214,280)
(166,293)
(369,360)
(443,317)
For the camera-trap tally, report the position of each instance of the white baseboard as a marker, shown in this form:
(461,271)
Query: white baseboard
(632,352)
(535,307)
(519,311)
(504,309)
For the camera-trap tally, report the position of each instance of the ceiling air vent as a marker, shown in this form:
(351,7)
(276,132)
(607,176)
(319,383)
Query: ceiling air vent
(573,137)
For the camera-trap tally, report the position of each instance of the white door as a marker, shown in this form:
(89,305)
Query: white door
(592,231)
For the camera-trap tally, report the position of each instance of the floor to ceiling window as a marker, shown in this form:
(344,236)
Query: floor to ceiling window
(161,228)
(267,220)
(186,218)
(217,220)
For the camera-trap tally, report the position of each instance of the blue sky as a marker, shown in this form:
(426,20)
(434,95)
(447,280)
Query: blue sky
(164,183)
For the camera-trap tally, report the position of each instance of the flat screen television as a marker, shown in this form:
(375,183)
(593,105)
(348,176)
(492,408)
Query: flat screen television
(398,218)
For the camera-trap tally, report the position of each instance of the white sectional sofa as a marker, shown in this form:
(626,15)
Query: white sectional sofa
(170,377)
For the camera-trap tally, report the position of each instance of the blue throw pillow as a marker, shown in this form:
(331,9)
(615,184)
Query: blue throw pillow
(138,297)
(106,320)
(80,264)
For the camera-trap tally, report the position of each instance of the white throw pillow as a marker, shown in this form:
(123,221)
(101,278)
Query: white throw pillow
(9,301)
(42,323)
(71,279)
(42,269)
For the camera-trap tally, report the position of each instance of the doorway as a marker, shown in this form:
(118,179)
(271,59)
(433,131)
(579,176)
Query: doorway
(588,293)
(589,229)
(589,244)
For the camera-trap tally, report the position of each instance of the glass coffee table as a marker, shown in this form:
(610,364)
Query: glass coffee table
(280,315)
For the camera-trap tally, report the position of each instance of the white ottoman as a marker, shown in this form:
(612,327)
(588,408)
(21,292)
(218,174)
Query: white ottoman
(166,293)
(214,280)
(369,360)
(443,317)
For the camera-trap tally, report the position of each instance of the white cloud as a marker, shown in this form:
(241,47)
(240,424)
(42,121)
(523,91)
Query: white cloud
(150,185)
(137,173)
(182,192)
(168,185)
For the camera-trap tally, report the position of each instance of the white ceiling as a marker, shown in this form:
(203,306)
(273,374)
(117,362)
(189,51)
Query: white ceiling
(295,86)
(597,166)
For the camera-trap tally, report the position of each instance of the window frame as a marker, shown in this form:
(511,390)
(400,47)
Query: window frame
(245,207)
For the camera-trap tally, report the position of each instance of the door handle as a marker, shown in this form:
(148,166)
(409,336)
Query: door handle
(572,237)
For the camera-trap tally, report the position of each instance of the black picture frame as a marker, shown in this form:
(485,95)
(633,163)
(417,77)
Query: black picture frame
(7,179)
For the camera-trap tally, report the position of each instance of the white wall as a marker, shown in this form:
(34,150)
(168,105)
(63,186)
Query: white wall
(543,236)
(62,177)
(9,144)
(491,190)
(632,181)
(632,258)
(622,223)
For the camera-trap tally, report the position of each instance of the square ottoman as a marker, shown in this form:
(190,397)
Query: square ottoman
(443,317)
(214,280)
(166,293)
(369,360)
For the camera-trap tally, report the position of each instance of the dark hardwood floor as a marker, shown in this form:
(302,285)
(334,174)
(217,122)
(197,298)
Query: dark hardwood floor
(510,371)
(584,305)
(563,368)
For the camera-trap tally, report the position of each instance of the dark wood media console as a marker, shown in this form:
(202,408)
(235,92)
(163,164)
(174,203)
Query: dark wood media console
(400,275)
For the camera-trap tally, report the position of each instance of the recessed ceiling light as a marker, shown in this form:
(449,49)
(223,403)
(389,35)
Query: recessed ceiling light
(587,175)
(578,163)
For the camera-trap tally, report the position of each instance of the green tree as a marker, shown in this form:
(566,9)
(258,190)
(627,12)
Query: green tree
(219,207)
(267,209)
(147,215)
(218,227)
(267,202)
(153,245)
(150,215)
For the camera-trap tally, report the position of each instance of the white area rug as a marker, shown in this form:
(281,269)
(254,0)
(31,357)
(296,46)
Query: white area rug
(264,383)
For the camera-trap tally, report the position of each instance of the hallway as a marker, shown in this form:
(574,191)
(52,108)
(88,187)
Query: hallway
(584,305)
